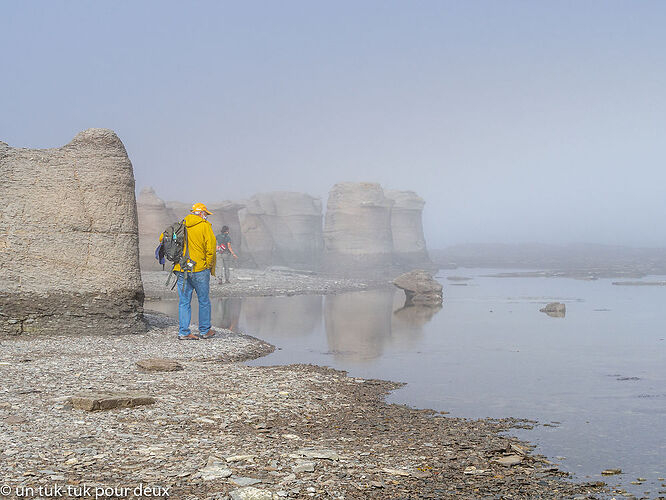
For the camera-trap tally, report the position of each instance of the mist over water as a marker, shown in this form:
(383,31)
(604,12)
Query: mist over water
(516,122)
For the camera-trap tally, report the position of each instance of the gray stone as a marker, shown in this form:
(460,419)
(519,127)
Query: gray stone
(555,310)
(69,239)
(251,493)
(215,471)
(244,481)
(319,453)
(159,365)
(509,460)
(108,400)
(304,467)
(420,288)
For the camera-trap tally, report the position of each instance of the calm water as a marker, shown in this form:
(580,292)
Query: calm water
(597,375)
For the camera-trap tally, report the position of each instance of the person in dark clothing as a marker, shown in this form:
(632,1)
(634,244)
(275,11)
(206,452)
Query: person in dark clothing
(224,247)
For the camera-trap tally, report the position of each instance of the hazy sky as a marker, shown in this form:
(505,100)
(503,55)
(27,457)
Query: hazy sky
(516,121)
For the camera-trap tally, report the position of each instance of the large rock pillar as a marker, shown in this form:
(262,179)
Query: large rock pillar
(154,217)
(69,242)
(409,246)
(357,228)
(283,228)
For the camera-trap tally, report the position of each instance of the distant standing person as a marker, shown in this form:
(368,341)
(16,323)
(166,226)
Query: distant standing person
(224,247)
(201,246)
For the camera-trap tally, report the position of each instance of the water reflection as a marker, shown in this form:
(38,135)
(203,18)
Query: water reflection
(225,312)
(358,324)
(353,327)
(295,316)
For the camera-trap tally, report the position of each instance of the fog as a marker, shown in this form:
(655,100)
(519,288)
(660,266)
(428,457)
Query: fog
(515,121)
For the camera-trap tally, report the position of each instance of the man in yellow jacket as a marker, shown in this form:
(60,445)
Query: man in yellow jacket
(201,245)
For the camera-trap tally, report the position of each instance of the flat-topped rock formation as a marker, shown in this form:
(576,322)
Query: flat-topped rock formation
(69,239)
(154,217)
(282,228)
(357,229)
(409,246)
(367,230)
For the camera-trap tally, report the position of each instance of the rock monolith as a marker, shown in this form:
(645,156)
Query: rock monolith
(282,228)
(69,241)
(154,217)
(409,245)
(357,229)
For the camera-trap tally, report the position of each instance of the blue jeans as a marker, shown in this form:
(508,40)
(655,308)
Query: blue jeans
(199,281)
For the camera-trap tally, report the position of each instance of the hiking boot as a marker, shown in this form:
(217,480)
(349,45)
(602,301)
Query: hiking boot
(209,334)
(191,336)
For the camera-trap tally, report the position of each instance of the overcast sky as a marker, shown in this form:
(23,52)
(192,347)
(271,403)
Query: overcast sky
(516,121)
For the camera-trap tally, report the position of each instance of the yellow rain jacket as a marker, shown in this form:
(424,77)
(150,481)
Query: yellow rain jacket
(201,242)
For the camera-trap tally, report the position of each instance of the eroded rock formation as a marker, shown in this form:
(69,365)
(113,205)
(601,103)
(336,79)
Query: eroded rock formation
(154,217)
(282,228)
(69,239)
(357,229)
(421,289)
(409,246)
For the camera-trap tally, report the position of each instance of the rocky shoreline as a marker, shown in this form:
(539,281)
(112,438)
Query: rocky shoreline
(269,282)
(219,429)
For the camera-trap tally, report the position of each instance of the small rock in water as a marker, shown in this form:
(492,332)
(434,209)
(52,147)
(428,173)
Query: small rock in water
(611,472)
(555,310)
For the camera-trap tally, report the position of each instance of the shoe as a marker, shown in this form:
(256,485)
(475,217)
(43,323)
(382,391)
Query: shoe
(191,336)
(209,334)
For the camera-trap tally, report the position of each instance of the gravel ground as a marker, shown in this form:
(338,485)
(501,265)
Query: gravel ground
(220,429)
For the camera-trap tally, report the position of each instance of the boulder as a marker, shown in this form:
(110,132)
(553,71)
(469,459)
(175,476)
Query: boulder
(409,246)
(154,217)
(93,401)
(357,228)
(420,288)
(159,365)
(555,310)
(282,228)
(69,242)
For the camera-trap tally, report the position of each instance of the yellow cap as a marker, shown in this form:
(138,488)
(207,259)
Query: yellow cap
(200,207)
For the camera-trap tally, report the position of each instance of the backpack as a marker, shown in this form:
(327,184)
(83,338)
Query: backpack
(174,242)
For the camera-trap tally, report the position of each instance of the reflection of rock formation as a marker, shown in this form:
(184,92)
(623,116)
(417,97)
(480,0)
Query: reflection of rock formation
(408,322)
(409,246)
(358,324)
(154,217)
(282,228)
(69,238)
(295,316)
(357,232)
